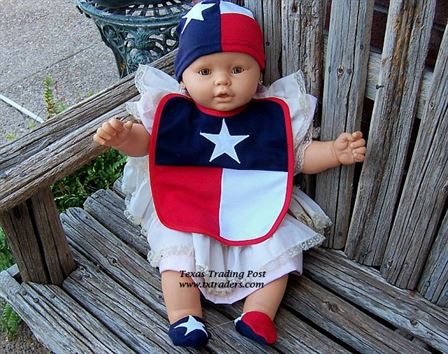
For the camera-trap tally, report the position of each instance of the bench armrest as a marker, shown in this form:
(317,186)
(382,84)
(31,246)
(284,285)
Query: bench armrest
(63,144)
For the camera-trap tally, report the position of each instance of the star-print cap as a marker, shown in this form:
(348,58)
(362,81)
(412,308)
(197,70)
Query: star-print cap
(215,26)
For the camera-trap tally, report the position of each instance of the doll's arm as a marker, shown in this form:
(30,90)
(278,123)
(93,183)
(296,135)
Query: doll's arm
(322,155)
(130,138)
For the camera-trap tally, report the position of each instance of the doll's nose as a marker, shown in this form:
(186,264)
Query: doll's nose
(222,78)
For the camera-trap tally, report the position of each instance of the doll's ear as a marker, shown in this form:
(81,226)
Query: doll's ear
(183,88)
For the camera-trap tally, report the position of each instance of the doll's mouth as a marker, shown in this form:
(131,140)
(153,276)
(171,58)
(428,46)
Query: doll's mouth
(223,96)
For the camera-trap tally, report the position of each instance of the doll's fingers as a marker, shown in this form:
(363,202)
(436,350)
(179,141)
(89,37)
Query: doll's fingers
(357,135)
(358,143)
(359,157)
(99,140)
(343,140)
(360,150)
(346,136)
(103,134)
(116,124)
(108,129)
(128,125)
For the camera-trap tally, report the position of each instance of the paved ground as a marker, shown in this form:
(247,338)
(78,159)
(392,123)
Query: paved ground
(37,39)
(47,38)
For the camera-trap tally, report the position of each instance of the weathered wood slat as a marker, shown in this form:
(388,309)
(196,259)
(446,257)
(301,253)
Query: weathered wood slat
(121,263)
(425,190)
(46,155)
(366,288)
(294,336)
(343,97)
(54,247)
(38,244)
(135,323)
(372,80)
(302,41)
(21,238)
(302,48)
(64,123)
(13,271)
(268,15)
(117,187)
(300,336)
(59,159)
(131,271)
(372,84)
(37,241)
(57,320)
(373,72)
(406,42)
(343,320)
(272,40)
(107,207)
(434,281)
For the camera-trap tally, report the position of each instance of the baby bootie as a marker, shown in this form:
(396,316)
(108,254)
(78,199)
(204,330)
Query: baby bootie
(189,332)
(257,326)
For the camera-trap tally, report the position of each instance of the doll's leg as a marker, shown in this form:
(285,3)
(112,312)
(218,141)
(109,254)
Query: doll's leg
(259,311)
(183,305)
(180,302)
(268,298)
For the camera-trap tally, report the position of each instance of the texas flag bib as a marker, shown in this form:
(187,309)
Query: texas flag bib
(227,175)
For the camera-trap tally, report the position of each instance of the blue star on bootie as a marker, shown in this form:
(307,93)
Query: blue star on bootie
(189,332)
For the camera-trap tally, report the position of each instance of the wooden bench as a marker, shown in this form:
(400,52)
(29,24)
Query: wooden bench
(82,283)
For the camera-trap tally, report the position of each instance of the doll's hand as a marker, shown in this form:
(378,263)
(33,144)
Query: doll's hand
(350,148)
(113,133)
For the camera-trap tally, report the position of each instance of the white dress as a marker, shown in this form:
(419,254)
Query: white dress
(225,274)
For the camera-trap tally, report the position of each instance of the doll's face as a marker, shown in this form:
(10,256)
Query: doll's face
(222,81)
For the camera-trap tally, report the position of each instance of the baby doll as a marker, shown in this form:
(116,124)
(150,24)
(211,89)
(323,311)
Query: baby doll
(223,151)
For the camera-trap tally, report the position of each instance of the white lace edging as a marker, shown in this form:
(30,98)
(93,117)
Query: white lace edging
(152,84)
(133,219)
(301,105)
(308,212)
(281,259)
(299,150)
(154,258)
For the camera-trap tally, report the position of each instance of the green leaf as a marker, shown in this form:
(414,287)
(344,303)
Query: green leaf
(9,321)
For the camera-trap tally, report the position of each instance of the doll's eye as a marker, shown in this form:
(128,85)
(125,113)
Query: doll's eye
(205,71)
(237,70)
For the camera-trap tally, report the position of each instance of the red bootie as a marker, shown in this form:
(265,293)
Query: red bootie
(257,326)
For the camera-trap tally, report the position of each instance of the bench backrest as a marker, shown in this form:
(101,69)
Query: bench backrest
(392,213)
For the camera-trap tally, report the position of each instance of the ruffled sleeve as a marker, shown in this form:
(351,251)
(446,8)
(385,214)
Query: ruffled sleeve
(291,88)
(152,84)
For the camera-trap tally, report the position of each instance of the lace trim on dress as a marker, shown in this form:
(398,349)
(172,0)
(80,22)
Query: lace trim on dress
(299,150)
(154,258)
(132,108)
(132,218)
(281,259)
(138,78)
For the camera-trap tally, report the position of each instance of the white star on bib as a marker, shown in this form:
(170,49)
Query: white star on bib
(196,14)
(224,142)
(191,325)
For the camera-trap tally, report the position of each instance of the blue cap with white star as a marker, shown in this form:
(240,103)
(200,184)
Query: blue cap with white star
(215,26)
